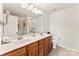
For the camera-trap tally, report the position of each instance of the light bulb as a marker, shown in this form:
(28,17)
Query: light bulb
(38,12)
(30,7)
(35,9)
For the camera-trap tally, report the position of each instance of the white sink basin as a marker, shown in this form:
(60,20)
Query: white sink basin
(6,39)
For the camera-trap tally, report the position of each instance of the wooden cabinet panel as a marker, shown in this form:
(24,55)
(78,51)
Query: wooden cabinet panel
(48,45)
(26,51)
(41,52)
(41,41)
(41,47)
(31,46)
(33,49)
(18,52)
(33,52)
(45,51)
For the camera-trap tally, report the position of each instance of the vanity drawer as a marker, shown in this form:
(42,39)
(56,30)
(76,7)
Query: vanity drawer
(17,52)
(31,46)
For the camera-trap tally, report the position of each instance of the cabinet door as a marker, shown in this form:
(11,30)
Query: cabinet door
(50,43)
(41,52)
(41,47)
(26,51)
(46,50)
(31,46)
(46,44)
(33,52)
(18,52)
(33,49)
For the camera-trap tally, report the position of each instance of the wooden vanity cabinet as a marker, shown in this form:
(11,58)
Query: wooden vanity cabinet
(33,49)
(38,48)
(41,47)
(18,52)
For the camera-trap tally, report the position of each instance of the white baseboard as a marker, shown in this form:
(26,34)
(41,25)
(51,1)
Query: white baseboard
(76,50)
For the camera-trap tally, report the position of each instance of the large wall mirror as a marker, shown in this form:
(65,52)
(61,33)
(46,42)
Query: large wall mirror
(22,22)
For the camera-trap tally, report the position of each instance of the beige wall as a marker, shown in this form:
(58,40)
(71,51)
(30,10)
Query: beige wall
(66,22)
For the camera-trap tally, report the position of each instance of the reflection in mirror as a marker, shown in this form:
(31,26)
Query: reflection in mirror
(10,28)
(23,23)
(22,26)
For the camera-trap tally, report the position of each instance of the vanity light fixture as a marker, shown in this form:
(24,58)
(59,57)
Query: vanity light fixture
(32,8)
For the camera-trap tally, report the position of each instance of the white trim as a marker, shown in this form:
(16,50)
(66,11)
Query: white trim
(76,50)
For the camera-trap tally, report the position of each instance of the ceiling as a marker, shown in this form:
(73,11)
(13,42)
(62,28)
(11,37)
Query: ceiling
(16,10)
(51,7)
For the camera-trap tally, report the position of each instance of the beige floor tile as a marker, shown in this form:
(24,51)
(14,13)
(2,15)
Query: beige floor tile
(59,51)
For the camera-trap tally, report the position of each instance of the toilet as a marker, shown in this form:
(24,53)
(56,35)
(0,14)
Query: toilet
(54,44)
(55,40)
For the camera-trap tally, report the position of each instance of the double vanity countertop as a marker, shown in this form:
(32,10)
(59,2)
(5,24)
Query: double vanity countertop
(5,48)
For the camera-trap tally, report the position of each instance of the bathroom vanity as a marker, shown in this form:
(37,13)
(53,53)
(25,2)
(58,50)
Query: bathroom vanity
(24,35)
(35,46)
(35,41)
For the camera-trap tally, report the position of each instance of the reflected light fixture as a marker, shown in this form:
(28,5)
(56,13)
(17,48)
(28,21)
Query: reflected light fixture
(24,5)
(31,7)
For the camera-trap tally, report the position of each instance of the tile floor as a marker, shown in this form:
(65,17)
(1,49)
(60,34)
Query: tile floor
(59,51)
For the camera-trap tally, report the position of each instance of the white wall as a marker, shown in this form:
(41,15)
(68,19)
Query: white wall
(43,23)
(65,23)
(40,25)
